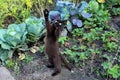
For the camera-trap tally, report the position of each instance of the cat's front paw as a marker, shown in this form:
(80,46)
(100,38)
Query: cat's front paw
(46,12)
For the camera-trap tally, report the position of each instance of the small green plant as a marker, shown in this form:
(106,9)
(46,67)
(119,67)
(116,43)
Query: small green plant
(100,16)
(9,63)
(78,32)
(83,47)
(62,39)
(114,71)
(16,67)
(71,54)
(110,43)
(106,65)
(83,56)
(116,11)
(75,48)
(42,47)
(92,36)
(113,6)
(28,58)
(75,55)
(112,46)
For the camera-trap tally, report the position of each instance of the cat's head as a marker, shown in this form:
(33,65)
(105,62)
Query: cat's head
(59,24)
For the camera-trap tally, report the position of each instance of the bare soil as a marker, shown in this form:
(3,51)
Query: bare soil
(36,70)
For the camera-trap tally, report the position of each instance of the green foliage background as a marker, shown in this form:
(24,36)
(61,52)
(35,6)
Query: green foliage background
(19,10)
(95,42)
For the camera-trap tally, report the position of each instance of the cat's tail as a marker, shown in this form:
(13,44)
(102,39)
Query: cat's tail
(65,63)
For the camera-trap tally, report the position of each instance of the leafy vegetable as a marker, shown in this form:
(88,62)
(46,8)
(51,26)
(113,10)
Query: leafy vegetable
(83,6)
(15,34)
(64,4)
(86,15)
(69,26)
(2,32)
(68,9)
(54,15)
(3,54)
(77,22)
(34,25)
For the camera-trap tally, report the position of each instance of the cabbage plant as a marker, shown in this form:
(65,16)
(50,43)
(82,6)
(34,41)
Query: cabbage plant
(11,39)
(71,12)
(13,36)
(16,36)
(35,28)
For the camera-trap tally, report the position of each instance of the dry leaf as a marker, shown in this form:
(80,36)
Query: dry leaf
(34,49)
(67,44)
(112,39)
(21,56)
(101,1)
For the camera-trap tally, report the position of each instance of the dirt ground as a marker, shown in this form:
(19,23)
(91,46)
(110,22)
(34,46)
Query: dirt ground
(36,70)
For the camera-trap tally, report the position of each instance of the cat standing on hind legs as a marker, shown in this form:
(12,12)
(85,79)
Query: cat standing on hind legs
(51,44)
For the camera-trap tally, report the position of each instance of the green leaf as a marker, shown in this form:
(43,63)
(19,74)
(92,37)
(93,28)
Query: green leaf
(5,46)
(35,26)
(93,6)
(62,39)
(2,33)
(106,65)
(11,40)
(83,56)
(3,54)
(115,71)
(16,34)
(50,1)
(10,54)
(9,63)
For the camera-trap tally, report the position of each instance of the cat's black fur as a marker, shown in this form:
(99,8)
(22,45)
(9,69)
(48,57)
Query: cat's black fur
(51,44)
